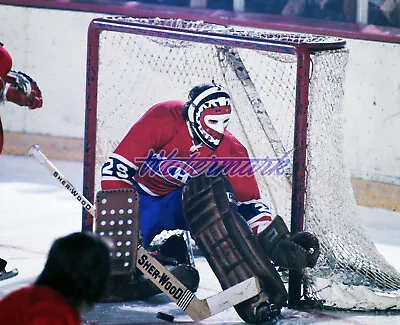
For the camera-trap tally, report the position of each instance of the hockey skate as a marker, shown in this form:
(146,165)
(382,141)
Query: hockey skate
(173,251)
(263,313)
(6,274)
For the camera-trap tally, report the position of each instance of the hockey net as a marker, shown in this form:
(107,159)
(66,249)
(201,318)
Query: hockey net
(134,63)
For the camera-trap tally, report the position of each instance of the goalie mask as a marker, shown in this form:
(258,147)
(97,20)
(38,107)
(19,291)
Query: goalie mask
(209,115)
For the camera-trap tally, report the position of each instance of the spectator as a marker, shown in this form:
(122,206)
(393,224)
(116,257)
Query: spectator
(182,3)
(384,12)
(72,281)
(220,5)
(380,12)
(317,9)
(273,7)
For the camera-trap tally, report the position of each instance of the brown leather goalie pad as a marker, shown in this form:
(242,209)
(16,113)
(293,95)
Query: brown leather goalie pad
(117,220)
(222,234)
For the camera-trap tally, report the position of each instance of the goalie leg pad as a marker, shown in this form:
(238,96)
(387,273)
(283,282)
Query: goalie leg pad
(234,254)
(117,220)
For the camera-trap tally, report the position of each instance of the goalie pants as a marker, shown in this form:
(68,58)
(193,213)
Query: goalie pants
(158,213)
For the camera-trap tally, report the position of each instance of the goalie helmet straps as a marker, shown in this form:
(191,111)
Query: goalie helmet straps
(208,111)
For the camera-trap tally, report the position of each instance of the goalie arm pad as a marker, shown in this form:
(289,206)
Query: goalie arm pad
(293,252)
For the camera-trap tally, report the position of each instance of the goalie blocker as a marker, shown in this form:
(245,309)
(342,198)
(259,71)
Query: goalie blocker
(235,254)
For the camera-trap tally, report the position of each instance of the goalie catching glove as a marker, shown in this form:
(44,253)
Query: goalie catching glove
(293,252)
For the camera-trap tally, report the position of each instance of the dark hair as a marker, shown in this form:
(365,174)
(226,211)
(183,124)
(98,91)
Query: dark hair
(78,267)
(193,93)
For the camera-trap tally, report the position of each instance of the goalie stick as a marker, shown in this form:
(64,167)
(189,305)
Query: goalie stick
(197,309)
(35,152)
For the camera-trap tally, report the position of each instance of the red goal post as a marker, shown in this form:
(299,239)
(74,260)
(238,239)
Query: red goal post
(287,91)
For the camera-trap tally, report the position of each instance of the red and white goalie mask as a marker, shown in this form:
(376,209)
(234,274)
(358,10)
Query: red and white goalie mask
(209,115)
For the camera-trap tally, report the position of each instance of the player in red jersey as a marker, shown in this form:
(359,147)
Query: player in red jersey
(16,87)
(20,89)
(72,281)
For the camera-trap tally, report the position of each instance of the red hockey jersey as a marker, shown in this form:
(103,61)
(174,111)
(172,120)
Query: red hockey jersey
(5,62)
(5,67)
(37,305)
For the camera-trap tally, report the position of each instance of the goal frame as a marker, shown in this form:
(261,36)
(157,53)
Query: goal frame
(303,53)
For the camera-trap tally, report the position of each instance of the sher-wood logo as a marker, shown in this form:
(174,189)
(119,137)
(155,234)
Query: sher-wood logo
(73,191)
(162,278)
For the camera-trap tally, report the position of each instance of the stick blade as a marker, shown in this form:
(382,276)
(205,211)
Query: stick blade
(234,295)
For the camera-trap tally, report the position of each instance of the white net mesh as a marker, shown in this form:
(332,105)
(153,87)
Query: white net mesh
(349,256)
(136,71)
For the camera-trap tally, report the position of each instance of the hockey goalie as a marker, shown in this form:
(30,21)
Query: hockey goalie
(176,158)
